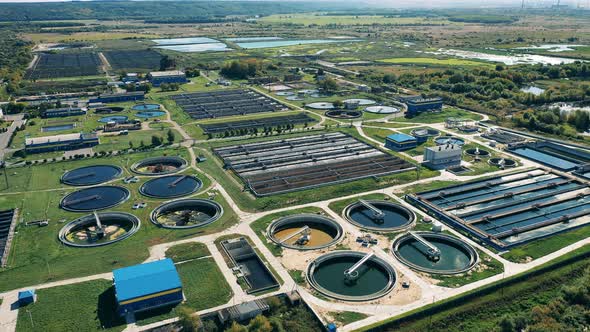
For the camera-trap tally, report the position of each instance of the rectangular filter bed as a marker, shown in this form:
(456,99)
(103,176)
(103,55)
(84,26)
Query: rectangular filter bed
(215,128)
(220,103)
(250,265)
(509,210)
(292,164)
(553,155)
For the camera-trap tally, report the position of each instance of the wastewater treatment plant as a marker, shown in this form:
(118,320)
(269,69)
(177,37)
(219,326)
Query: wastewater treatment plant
(294,166)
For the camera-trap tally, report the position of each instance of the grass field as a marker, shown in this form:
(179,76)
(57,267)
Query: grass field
(187,251)
(320,19)
(484,312)
(54,37)
(435,62)
(94,308)
(45,259)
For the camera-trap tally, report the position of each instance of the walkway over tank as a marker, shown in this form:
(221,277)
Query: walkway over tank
(304,230)
(377,214)
(351,274)
(433,252)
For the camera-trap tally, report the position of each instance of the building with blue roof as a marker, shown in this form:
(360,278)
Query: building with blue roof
(147,286)
(400,142)
(26,297)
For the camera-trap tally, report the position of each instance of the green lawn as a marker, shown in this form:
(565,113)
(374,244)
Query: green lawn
(87,306)
(482,311)
(542,247)
(347,317)
(38,257)
(187,251)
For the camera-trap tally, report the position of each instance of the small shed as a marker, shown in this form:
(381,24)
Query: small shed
(26,297)
(400,142)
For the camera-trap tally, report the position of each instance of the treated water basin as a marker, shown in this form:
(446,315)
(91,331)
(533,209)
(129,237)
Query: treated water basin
(58,127)
(170,186)
(91,175)
(114,118)
(456,256)
(94,198)
(375,278)
(146,107)
(394,216)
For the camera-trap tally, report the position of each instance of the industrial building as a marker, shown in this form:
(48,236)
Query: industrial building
(510,209)
(442,156)
(400,142)
(158,78)
(147,286)
(243,311)
(61,142)
(62,112)
(118,97)
(7,226)
(419,104)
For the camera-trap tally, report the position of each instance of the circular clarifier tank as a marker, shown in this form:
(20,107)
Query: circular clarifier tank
(91,175)
(477,152)
(305,232)
(344,114)
(360,101)
(186,213)
(382,109)
(86,232)
(95,198)
(338,275)
(285,93)
(159,165)
(113,118)
(444,140)
(380,216)
(171,186)
(321,106)
(454,256)
(424,132)
(503,162)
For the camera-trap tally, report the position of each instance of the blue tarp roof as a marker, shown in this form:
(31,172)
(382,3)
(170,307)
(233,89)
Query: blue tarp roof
(401,138)
(145,279)
(26,294)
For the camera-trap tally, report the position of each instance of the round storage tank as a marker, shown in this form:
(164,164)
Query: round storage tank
(159,166)
(382,109)
(95,198)
(171,186)
(186,213)
(454,256)
(378,215)
(91,175)
(85,232)
(305,232)
(333,275)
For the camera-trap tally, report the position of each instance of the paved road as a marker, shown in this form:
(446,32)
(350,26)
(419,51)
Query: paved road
(5,137)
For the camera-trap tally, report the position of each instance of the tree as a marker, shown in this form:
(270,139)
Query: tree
(235,327)
(259,324)
(329,85)
(167,63)
(170,136)
(188,321)
(338,103)
(156,140)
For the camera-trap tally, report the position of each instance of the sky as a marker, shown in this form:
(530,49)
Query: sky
(413,3)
